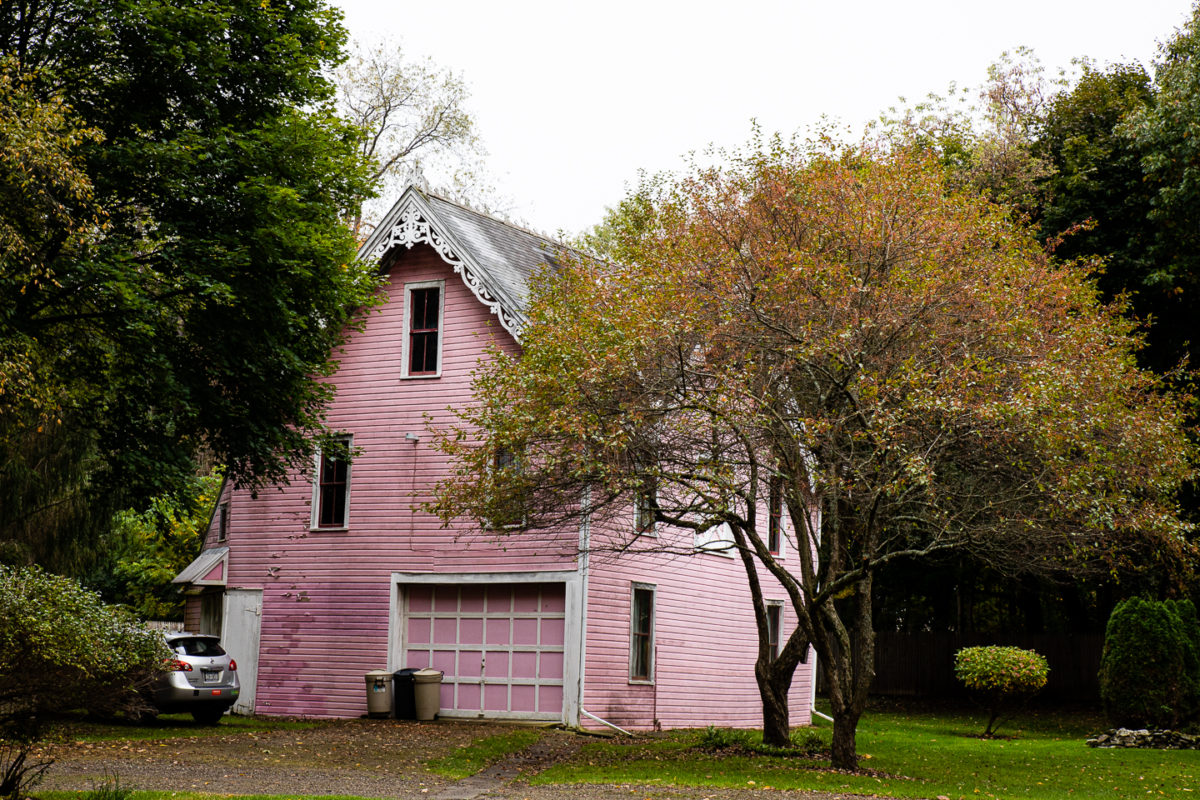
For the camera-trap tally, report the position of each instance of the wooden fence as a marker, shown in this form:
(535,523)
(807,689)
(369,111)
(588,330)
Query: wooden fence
(922,664)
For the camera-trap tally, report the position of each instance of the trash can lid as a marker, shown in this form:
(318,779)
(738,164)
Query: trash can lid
(378,673)
(427,676)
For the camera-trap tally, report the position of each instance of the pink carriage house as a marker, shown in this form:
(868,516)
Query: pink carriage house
(317,582)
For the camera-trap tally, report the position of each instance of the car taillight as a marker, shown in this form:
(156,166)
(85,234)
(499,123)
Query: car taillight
(175,665)
(232,665)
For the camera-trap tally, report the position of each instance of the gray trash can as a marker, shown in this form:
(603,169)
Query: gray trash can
(427,691)
(379,693)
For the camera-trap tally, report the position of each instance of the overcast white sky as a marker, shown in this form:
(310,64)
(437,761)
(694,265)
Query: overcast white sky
(573,98)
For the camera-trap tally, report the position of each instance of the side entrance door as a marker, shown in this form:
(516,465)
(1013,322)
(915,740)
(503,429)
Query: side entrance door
(239,636)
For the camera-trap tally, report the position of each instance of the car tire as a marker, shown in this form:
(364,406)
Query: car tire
(208,716)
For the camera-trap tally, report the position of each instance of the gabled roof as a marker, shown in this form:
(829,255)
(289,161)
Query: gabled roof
(495,259)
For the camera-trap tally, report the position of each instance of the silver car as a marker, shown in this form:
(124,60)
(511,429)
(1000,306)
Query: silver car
(200,678)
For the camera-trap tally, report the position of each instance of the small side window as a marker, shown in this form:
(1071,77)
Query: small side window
(222,522)
(641,634)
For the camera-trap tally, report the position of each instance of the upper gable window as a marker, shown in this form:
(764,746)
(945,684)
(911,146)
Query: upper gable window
(423,329)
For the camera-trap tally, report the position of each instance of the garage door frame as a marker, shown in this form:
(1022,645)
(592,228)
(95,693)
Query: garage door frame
(572,625)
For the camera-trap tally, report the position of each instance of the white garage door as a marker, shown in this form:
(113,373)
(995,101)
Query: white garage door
(500,646)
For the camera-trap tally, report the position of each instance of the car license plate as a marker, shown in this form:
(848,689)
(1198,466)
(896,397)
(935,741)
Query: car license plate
(212,676)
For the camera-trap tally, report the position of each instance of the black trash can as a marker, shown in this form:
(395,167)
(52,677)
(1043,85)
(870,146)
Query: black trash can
(403,694)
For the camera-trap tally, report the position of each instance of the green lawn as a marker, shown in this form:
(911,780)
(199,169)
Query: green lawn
(914,754)
(466,761)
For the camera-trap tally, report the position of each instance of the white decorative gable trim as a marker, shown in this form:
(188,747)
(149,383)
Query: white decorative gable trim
(412,227)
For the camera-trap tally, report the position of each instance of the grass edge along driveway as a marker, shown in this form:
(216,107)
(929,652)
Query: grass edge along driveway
(912,754)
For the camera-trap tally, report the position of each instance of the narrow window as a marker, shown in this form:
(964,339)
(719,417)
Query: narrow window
(775,515)
(509,508)
(641,634)
(425,306)
(774,624)
(645,506)
(222,521)
(333,488)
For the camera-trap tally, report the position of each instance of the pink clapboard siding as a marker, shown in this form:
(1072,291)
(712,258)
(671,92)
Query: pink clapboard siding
(326,592)
(705,644)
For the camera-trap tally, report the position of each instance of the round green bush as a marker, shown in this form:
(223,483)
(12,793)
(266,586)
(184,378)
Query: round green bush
(1150,668)
(1000,676)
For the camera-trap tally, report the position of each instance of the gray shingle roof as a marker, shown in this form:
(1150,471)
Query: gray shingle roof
(496,259)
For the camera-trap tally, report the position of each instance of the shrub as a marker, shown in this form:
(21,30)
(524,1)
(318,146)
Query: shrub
(61,647)
(1150,668)
(1000,677)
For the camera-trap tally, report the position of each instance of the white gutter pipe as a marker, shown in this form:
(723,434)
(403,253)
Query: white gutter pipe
(590,715)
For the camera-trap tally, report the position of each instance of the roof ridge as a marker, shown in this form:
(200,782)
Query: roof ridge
(493,216)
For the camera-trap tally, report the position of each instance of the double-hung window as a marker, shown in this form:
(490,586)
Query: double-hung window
(331,490)
(641,634)
(775,515)
(509,509)
(423,329)
(645,507)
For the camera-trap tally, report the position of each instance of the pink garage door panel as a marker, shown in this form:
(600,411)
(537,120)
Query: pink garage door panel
(500,646)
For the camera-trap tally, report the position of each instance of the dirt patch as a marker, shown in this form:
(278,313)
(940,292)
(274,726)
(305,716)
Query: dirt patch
(366,758)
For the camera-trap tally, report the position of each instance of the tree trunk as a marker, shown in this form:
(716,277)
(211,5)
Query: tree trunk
(845,729)
(849,660)
(774,682)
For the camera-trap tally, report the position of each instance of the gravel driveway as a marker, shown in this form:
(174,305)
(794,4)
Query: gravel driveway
(366,758)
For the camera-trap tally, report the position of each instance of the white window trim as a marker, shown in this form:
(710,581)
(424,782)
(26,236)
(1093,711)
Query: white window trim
(315,510)
(222,521)
(653,590)
(404,344)
(717,540)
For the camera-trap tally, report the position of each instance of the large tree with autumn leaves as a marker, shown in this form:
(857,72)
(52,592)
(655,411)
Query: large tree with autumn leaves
(898,362)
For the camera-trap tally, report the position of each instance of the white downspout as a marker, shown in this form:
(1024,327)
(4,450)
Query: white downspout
(590,715)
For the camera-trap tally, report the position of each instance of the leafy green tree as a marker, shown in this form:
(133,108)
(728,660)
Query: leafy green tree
(1163,132)
(899,361)
(195,275)
(145,550)
(46,206)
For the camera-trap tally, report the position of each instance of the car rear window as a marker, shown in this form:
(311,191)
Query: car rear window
(197,647)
